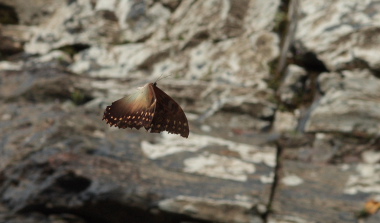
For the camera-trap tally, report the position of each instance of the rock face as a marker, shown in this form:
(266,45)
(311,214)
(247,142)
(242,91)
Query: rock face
(343,34)
(264,146)
(350,104)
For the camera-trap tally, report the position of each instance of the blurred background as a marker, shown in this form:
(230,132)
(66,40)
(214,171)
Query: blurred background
(282,98)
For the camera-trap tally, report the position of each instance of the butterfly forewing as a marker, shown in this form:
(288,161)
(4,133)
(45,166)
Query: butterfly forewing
(168,116)
(133,111)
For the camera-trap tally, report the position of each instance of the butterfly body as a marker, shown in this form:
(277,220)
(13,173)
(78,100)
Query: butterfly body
(150,108)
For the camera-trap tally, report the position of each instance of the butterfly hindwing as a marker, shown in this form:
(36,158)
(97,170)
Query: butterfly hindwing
(168,116)
(133,111)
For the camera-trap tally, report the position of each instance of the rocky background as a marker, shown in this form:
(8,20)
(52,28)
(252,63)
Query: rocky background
(282,97)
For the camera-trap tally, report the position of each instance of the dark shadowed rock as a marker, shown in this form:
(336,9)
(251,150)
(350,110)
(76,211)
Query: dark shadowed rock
(96,176)
(48,82)
(293,85)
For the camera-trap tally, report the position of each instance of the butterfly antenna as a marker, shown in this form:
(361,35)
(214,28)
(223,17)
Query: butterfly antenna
(162,77)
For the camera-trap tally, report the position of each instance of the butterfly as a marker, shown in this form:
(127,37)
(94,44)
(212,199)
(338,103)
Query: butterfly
(150,108)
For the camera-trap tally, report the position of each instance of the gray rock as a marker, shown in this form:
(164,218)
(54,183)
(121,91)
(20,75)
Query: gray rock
(60,164)
(36,13)
(12,39)
(66,61)
(139,19)
(347,106)
(42,83)
(85,175)
(292,85)
(286,121)
(71,23)
(211,209)
(118,61)
(341,33)
(310,192)
(225,19)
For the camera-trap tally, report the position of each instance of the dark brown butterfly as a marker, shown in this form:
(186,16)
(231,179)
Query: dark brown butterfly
(150,108)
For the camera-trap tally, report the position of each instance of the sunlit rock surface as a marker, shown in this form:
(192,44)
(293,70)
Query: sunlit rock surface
(350,104)
(267,143)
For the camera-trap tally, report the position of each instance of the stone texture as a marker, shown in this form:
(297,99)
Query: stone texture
(69,158)
(343,34)
(265,145)
(202,208)
(292,85)
(324,190)
(318,197)
(139,20)
(349,105)
(54,153)
(71,23)
(12,39)
(36,13)
(286,121)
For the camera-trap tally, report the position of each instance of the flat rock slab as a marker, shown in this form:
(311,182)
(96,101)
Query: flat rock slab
(346,105)
(83,167)
(310,192)
(75,182)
